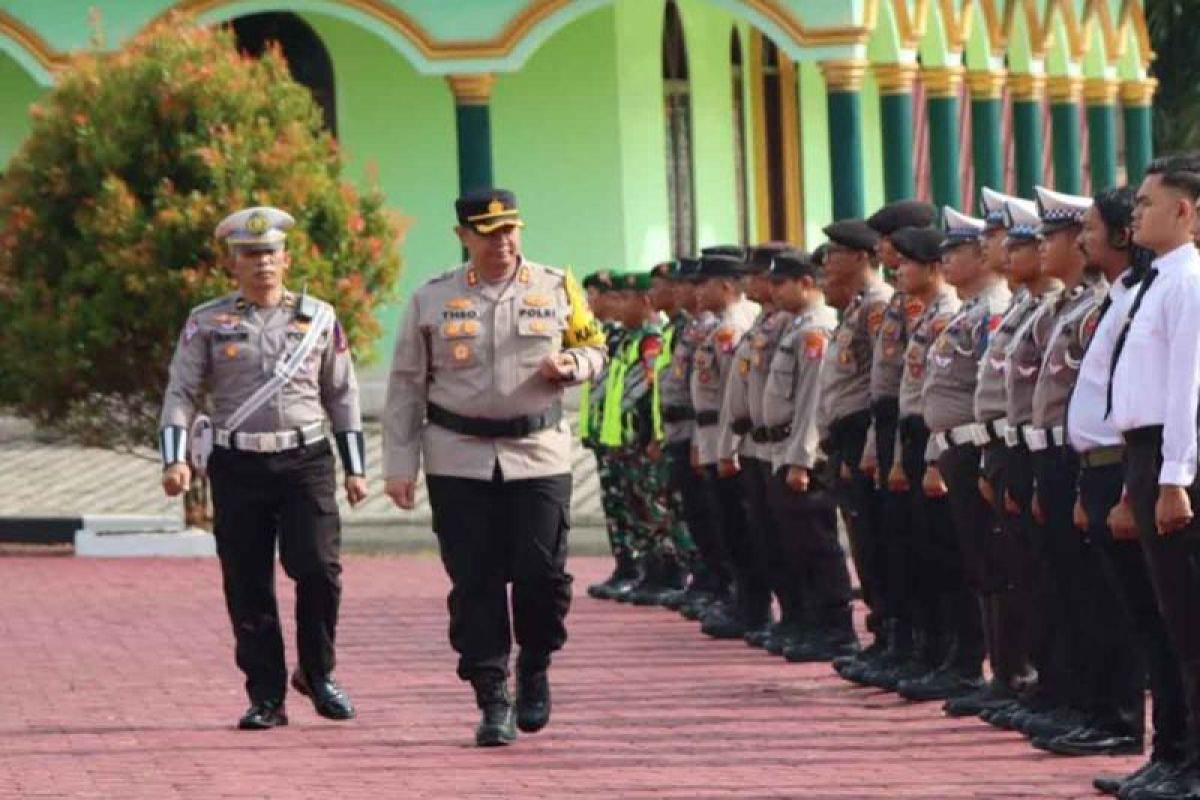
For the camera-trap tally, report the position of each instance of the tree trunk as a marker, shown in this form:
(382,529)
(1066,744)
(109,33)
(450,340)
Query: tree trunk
(197,510)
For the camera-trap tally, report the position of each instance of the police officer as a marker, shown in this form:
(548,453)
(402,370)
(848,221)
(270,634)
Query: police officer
(890,617)
(952,371)
(800,494)
(483,355)
(720,292)
(739,451)
(274,364)
(1004,627)
(850,269)
(1154,394)
(1045,701)
(930,304)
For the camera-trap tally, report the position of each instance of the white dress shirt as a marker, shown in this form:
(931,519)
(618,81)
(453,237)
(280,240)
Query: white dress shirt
(1157,379)
(1087,427)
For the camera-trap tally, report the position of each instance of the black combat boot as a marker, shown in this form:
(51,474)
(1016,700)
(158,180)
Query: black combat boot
(496,726)
(625,570)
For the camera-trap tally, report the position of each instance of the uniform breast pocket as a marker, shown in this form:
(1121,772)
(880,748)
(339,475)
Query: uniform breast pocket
(781,381)
(540,336)
(231,353)
(456,344)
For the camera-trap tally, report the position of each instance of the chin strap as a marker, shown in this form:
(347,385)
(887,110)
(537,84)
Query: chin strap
(353,449)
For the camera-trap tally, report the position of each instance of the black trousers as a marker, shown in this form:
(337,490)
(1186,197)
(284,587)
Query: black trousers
(933,565)
(763,537)
(1173,562)
(1131,630)
(492,533)
(895,519)
(729,510)
(816,563)
(1079,602)
(1032,583)
(859,503)
(697,510)
(259,499)
(1012,612)
(963,588)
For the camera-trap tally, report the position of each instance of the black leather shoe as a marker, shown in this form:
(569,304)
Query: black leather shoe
(263,715)
(328,699)
(721,621)
(1088,741)
(1053,723)
(496,724)
(1150,772)
(940,685)
(533,701)
(1179,783)
(993,695)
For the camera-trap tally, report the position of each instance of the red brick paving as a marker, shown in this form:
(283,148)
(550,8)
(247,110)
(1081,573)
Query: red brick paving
(118,682)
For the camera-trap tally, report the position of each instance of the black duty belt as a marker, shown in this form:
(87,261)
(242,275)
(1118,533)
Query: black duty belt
(742,426)
(678,413)
(707,418)
(1102,456)
(511,428)
(772,434)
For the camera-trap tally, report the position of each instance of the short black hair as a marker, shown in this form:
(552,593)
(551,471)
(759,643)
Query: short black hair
(1115,207)
(1180,171)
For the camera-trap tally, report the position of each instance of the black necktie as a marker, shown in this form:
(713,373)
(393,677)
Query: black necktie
(1116,356)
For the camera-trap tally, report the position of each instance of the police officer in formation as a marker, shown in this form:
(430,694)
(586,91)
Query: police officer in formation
(1003,411)
(275,365)
(483,356)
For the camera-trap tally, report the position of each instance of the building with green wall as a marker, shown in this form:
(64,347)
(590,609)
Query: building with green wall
(634,130)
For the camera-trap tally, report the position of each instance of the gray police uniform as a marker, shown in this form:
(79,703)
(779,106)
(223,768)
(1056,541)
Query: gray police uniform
(741,422)
(931,554)
(273,476)
(845,424)
(1077,605)
(712,366)
(465,396)
(807,521)
(950,386)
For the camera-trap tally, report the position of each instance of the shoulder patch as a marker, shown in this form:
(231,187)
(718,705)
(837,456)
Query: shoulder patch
(875,314)
(726,338)
(814,345)
(447,275)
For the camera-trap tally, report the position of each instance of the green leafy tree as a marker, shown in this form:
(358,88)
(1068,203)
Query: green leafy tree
(107,215)
(1174,27)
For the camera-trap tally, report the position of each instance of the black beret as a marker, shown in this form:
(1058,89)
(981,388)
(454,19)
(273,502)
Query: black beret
(794,264)
(855,234)
(735,250)
(721,266)
(902,214)
(689,269)
(818,255)
(486,210)
(760,256)
(923,245)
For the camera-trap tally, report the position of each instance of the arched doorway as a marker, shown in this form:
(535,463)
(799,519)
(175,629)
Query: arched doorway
(677,98)
(306,56)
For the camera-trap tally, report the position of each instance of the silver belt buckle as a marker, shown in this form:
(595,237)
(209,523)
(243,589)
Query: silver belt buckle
(979,434)
(1012,437)
(1036,439)
(942,440)
(267,442)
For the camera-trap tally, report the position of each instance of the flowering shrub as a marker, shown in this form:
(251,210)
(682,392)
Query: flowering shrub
(107,215)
